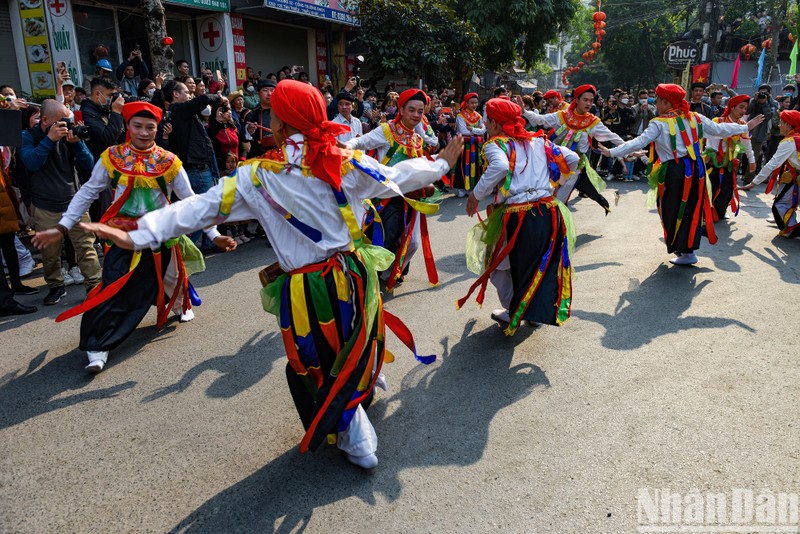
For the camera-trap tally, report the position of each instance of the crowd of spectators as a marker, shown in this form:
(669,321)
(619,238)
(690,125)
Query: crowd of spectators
(212,127)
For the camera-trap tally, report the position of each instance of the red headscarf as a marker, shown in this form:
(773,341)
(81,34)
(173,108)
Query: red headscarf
(407,95)
(674,94)
(733,102)
(301,106)
(467,98)
(133,108)
(552,93)
(509,116)
(578,92)
(791,117)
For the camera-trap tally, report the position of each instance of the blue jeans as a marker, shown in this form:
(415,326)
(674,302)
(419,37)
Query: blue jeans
(201,180)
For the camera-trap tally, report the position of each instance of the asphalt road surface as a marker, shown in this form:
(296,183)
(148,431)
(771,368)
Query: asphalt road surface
(681,379)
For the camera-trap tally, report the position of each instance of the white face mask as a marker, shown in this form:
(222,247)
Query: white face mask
(206,112)
(643,101)
(151,92)
(624,101)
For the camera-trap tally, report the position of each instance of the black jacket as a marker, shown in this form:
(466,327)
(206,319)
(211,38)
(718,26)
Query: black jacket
(105,128)
(189,139)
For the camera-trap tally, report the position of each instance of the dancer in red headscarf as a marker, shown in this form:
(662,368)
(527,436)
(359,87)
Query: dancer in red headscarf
(526,235)
(469,124)
(400,225)
(678,174)
(575,128)
(143,177)
(324,288)
(722,159)
(782,169)
(555,102)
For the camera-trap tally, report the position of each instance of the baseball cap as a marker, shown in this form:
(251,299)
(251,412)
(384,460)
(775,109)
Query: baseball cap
(104,64)
(267,83)
(67,82)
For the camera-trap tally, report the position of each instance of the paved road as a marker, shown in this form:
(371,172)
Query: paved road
(666,377)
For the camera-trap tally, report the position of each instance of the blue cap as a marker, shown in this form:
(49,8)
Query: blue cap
(104,64)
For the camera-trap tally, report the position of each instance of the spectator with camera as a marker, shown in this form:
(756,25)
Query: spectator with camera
(762,104)
(51,152)
(131,72)
(189,140)
(102,114)
(258,121)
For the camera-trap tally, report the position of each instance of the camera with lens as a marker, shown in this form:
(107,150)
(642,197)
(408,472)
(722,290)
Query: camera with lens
(761,95)
(125,96)
(81,131)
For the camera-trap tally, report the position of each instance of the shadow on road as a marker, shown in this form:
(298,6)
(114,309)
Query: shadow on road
(727,248)
(779,258)
(238,372)
(440,417)
(654,308)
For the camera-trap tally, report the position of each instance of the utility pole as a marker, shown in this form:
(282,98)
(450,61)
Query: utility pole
(161,53)
(710,33)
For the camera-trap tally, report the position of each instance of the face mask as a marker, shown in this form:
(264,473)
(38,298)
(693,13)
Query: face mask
(624,100)
(643,101)
(651,100)
(788,94)
(251,89)
(206,112)
(391,109)
(71,117)
(151,92)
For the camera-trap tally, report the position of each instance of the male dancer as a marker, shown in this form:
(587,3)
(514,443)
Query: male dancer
(324,289)
(403,220)
(555,102)
(783,168)
(143,176)
(722,156)
(469,123)
(678,171)
(529,262)
(575,128)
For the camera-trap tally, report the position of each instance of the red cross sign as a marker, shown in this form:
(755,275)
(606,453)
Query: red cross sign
(57,7)
(211,34)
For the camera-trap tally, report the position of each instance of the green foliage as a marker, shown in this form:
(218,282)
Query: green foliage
(516,29)
(633,48)
(418,38)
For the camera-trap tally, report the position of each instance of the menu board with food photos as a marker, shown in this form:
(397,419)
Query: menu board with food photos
(37,47)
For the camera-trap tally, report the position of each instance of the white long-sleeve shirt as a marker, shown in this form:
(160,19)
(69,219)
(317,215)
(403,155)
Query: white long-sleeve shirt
(658,131)
(553,120)
(786,152)
(378,139)
(309,200)
(429,140)
(99,182)
(356,129)
(531,178)
(461,127)
(720,144)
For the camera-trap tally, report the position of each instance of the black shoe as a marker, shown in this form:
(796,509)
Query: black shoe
(17,309)
(24,290)
(54,295)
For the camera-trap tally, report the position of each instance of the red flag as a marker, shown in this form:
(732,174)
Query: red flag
(735,76)
(700,73)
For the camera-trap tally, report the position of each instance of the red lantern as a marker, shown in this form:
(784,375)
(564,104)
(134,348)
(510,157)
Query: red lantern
(166,41)
(581,64)
(767,44)
(598,16)
(601,34)
(596,45)
(748,50)
(586,56)
(599,25)
(592,53)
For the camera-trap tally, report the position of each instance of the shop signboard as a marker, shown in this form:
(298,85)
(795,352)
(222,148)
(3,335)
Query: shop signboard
(216,50)
(213,5)
(63,42)
(341,11)
(35,36)
(239,58)
(322,57)
(679,53)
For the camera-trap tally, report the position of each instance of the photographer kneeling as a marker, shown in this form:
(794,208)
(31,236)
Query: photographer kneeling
(51,152)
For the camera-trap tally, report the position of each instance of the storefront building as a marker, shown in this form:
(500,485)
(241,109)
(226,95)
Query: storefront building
(224,35)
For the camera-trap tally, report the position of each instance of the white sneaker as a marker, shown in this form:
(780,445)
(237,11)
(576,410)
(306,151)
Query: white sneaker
(501,316)
(243,238)
(461,193)
(76,275)
(97,360)
(685,259)
(369,461)
(771,220)
(68,280)
(238,240)
(188,316)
